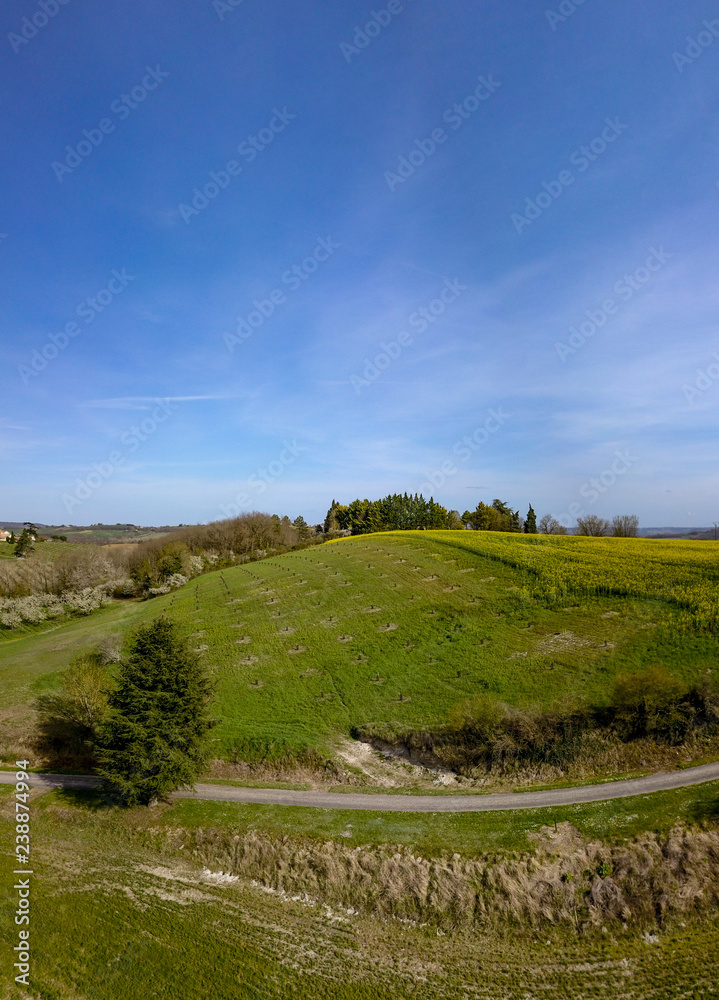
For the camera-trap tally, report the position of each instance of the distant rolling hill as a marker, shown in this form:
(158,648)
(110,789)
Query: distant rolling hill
(93,532)
(691,534)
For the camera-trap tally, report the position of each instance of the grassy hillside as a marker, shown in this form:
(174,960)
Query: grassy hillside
(401,627)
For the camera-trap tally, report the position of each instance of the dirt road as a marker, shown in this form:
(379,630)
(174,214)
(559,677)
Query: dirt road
(415,803)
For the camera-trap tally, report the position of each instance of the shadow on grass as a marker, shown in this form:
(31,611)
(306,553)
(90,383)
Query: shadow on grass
(98,800)
(94,799)
(705,811)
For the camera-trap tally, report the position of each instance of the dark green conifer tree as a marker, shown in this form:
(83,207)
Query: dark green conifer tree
(154,738)
(530,523)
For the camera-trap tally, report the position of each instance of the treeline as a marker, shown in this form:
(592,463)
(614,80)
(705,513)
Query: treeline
(396,512)
(621,526)
(485,735)
(499,516)
(407,512)
(50,581)
(155,564)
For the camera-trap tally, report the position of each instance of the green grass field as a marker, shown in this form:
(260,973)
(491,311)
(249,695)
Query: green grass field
(117,914)
(400,627)
(434,834)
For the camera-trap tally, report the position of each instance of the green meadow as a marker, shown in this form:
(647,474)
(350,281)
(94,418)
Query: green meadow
(122,907)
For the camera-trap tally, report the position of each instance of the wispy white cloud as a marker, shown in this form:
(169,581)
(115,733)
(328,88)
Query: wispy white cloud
(6,425)
(148,402)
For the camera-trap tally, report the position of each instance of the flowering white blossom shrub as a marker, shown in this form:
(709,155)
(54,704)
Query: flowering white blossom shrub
(85,601)
(9,616)
(123,587)
(171,583)
(36,608)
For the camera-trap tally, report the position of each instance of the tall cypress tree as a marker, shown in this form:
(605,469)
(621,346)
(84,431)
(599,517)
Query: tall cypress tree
(154,739)
(530,523)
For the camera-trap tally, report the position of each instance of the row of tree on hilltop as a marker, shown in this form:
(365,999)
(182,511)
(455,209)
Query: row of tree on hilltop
(396,512)
(411,512)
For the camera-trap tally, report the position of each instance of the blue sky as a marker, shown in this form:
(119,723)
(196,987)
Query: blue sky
(303,251)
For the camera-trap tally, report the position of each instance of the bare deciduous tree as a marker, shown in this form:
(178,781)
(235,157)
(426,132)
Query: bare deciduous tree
(550,526)
(625,526)
(592,525)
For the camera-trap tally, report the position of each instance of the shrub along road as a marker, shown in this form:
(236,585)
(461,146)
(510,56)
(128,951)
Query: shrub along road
(413,803)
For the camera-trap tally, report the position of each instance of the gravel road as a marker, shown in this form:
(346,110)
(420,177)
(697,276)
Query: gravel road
(414,803)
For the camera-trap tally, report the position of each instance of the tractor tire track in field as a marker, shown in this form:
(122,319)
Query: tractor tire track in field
(492,802)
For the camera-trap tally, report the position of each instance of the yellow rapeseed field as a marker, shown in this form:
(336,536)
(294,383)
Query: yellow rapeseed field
(560,567)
